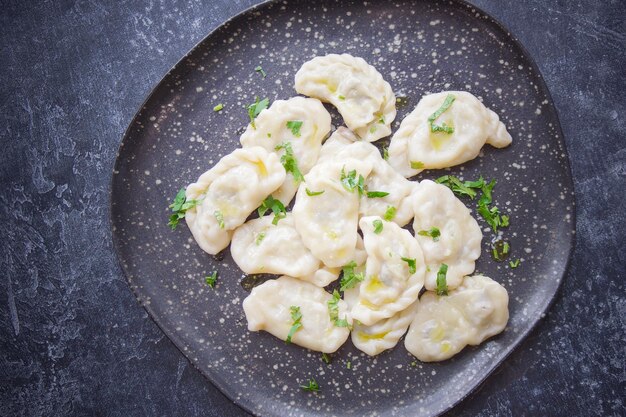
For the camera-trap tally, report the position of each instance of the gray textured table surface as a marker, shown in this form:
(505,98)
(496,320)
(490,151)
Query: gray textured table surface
(73,340)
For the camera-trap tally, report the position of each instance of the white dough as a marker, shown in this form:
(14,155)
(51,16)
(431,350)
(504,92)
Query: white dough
(435,205)
(364,100)
(327,222)
(270,130)
(444,325)
(232,189)
(388,287)
(258,246)
(473,123)
(268,308)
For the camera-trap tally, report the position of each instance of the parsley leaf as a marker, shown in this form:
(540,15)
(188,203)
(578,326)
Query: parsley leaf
(179,207)
(459,188)
(350,181)
(445,106)
(417,165)
(377,194)
(350,278)
(219,217)
(442,285)
(260,71)
(378,226)
(218,107)
(514,264)
(333,311)
(278,208)
(259,238)
(349,365)
(340,97)
(412,264)
(325,357)
(256,108)
(500,250)
(313,193)
(296,316)
(211,279)
(390,213)
(294,126)
(491,214)
(312,386)
(386,154)
(433,232)
(289,161)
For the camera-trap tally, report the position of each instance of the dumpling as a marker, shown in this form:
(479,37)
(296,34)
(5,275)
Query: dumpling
(364,100)
(344,144)
(414,147)
(269,308)
(327,222)
(301,122)
(229,192)
(444,325)
(258,246)
(458,245)
(394,273)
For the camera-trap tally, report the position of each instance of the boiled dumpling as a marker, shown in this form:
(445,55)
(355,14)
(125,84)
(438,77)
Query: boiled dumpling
(259,246)
(269,308)
(301,122)
(458,245)
(444,325)
(394,273)
(344,144)
(229,192)
(326,212)
(415,147)
(364,100)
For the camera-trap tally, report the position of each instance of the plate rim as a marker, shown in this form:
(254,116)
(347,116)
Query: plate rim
(213,377)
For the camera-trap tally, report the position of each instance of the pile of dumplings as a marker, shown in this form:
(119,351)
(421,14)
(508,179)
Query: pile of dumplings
(359,227)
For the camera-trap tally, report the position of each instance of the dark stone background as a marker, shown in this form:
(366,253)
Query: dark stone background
(73,340)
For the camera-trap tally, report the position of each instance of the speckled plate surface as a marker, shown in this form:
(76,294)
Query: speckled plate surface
(419,47)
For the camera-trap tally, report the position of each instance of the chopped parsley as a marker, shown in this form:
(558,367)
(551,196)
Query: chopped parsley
(431,119)
(341,97)
(491,214)
(311,385)
(377,194)
(390,213)
(219,217)
(256,108)
(381,119)
(179,207)
(412,264)
(259,69)
(459,188)
(386,154)
(313,193)
(433,232)
(211,279)
(378,226)
(218,107)
(278,208)
(349,365)
(259,238)
(500,250)
(296,316)
(350,181)
(294,126)
(442,285)
(325,357)
(350,278)
(417,165)
(333,311)
(514,263)
(289,161)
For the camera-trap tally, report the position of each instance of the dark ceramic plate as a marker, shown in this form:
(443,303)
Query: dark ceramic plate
(419,47)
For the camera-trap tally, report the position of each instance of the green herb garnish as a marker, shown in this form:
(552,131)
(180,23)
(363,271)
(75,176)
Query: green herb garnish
(278,208)
(377,194)
(179,207)
(349,365)
(514,263)
(466,188)
(311,386)
(294,126)
(433,232)
(442,285)
(390,213)
(333,311)
(260,71)
(211,279)
(445,106)
(340,97)
(326,357)
(218,107)
(500,250)
(350,181)
(256,108)
(313,193)
(378,226)
(386,154)
(417,165)
(296,316)
(491,214)
(219,217)
(412,264)
(350,278)
(289,161)
(259,238)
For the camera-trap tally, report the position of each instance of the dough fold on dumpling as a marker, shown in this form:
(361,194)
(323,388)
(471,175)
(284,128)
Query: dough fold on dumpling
(268,307)
(360,94)
(394,273)
(470,314)
(458,246)
(229,192)
(301,122)
(414,147)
